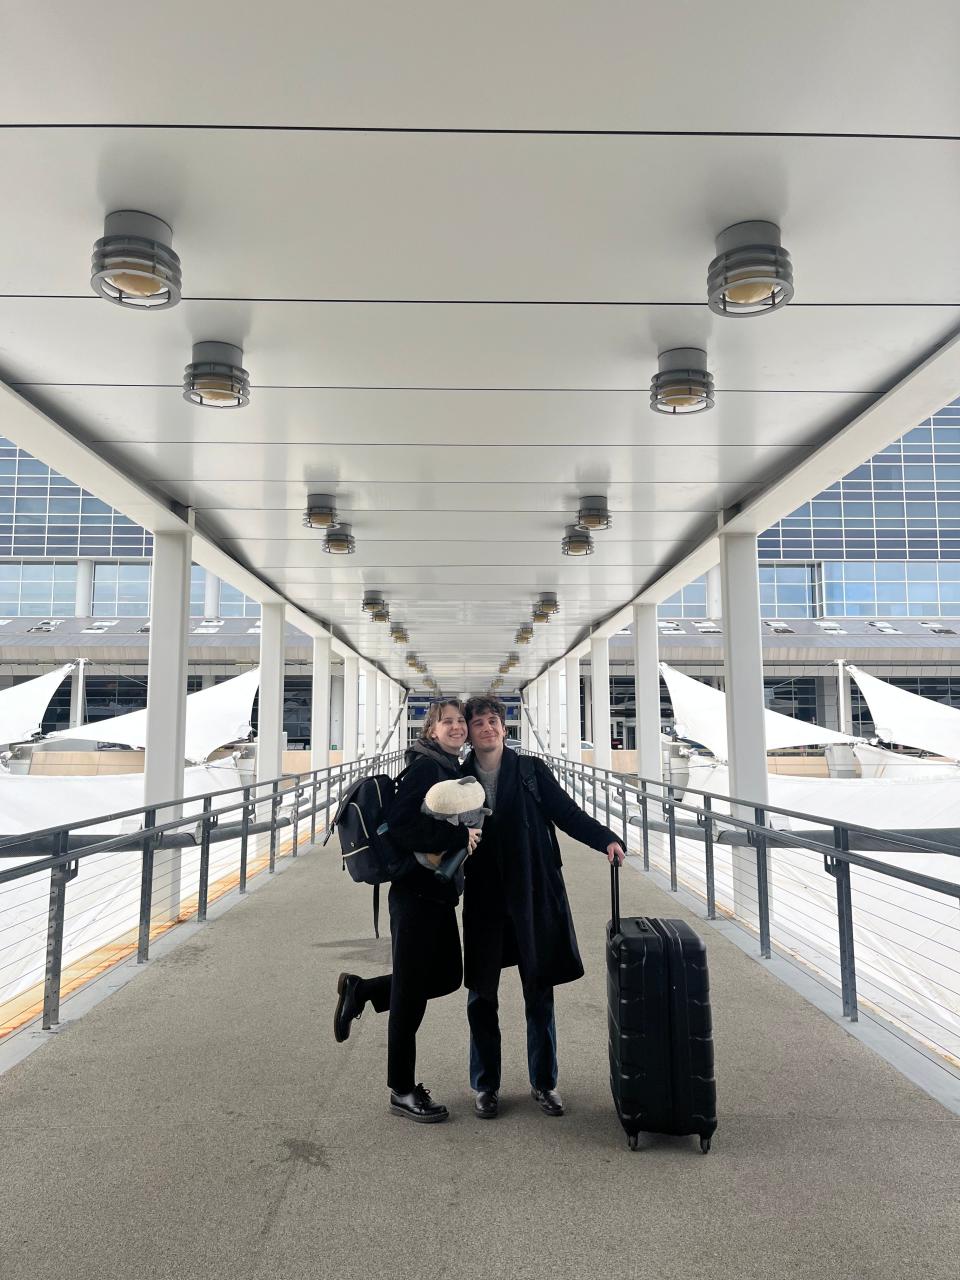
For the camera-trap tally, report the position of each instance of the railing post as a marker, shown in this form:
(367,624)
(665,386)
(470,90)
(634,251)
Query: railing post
(313,811)
(623,813)
(53,968)
(204,860)
(329,800)
(295,819)
(274,804)
(672,831)
(594,790)
(244,838)
(645,824)
(763,884)
(708,851)
(146,886)
(839,868)
(606,794)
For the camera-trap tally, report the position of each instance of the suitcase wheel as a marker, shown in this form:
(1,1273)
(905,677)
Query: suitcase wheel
(633,1141)
(704,1145)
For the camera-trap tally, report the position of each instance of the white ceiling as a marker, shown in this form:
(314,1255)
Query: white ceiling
(452,240)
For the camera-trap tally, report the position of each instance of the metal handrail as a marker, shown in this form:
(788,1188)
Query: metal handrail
(837,855)
(317,786)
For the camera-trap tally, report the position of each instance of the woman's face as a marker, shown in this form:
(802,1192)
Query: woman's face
(450,731)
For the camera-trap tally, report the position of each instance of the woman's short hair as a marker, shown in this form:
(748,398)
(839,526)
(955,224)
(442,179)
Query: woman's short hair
(434,713)
(484,706)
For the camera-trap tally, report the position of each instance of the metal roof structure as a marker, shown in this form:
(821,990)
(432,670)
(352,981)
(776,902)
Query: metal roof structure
(452,243)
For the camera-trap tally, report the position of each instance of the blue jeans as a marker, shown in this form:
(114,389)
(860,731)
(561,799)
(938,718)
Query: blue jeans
(482,1015)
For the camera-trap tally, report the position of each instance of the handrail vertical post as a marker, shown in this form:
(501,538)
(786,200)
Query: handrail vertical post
(672,830)
(244,838)
(623,813)
(204,860)
(274,804)
(606,794)
(708,852)
(328,800)
(295,816)
(645,824)
(313,811)
(53,967)
(848,967)
(146,885)
(763,883)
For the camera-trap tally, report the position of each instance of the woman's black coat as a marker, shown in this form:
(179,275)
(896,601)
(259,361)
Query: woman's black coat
(515,908)
(416,832)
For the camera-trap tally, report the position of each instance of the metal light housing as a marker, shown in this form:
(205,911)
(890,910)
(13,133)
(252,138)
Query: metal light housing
(594,513)
(683,383)
(321,512)
(339,541)
(577,542)
(524,635)
(372,601)
(381,614)
(399,634)
(134,264)
(548,602)
(752,273)
(413,661)
(503,668)
(540,615)
(513,660)
(215,377)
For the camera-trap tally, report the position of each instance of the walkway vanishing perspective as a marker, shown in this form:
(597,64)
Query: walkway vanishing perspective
(201,1122)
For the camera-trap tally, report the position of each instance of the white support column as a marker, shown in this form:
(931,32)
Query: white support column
(404,728)
(526,737)
(588,705)
(270,716)
(78,694)
(383,711)
(844,699)
(211,595)
(336,712)
(351,706)
(572,671)
(167,703)
(370,712)
(714,594)
(556,720)
(646,676)
(600,681)
(537,735)
(83,599)
(320,704)
(743,680)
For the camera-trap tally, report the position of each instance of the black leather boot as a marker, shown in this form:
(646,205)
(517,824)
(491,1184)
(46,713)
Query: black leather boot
(418,1106)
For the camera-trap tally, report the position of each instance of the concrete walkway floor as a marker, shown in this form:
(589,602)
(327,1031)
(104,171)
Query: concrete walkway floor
(201,1122)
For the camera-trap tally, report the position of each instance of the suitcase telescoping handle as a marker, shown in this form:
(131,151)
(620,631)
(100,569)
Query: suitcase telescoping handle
(615,895)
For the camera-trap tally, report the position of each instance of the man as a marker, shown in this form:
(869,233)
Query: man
(515,908)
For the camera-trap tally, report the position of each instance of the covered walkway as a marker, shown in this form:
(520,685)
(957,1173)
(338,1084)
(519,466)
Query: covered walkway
(201,1122)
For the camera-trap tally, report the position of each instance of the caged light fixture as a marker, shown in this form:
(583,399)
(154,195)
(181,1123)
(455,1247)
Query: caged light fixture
(593,513)
(576,542)
(215,377)
(134,264)
(683,383)
(548,602)
(524,635)
(413,662)
(752,273)
(321,512)
(372,601)
(399,634)
(339,541)
(381,614)
(503,668)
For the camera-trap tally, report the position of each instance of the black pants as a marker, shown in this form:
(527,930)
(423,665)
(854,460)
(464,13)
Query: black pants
(427,964)
(484,1020)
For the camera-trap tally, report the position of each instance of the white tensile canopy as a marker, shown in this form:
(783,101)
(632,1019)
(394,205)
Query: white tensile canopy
(215,716)
(700,714)
(876,762)
(908,719)
(22,707)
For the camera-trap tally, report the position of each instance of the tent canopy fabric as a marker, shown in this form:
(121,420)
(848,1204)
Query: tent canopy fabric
(215,716)
(909,719)
(876,762)
(700,714)
(22,707)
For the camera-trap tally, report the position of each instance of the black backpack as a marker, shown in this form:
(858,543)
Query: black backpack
(368,853)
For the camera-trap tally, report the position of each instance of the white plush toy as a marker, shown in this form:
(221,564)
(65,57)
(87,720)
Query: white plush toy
(459,801)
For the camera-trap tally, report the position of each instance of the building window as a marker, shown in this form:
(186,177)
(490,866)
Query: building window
(234,604)
(689,602)
(121,590)
(37,590)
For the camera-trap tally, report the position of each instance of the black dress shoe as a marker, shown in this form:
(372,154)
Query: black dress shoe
(548,1100)
(487,1104)
(418,1106)
(349,1006)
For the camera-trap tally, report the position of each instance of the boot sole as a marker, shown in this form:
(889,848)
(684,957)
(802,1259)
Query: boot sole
(407,1115)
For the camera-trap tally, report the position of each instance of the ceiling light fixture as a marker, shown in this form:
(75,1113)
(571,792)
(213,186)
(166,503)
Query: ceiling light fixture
(548,602)
(340,541)
(215,377)
(399,635)
(524,635)
(134,264)
(594,513)
(413,661)
(372,601)
(540,615)
(752,273)
(683,383)
(321,513)
(577,542)
(503,668)
(381,614)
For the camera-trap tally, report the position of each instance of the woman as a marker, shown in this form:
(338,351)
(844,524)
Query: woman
(427,961)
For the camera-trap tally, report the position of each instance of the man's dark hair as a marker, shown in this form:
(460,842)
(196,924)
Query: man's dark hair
(484,705)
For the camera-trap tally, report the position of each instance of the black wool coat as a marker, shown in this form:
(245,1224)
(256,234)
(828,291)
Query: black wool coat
(515,907)
(417,832)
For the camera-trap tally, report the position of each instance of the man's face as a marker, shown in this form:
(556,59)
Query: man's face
(486,731)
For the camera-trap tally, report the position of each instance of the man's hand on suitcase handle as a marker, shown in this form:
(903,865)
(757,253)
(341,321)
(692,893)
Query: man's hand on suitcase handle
(615,850)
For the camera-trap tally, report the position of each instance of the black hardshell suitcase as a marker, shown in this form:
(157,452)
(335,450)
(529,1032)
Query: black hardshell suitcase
(660,1027)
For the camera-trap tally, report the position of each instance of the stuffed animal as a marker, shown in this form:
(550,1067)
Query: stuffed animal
(459,801)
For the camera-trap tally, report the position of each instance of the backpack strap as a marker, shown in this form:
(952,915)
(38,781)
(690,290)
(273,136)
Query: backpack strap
(528,775)
(376,911)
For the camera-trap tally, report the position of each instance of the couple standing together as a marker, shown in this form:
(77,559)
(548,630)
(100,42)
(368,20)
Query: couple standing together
(515,909)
